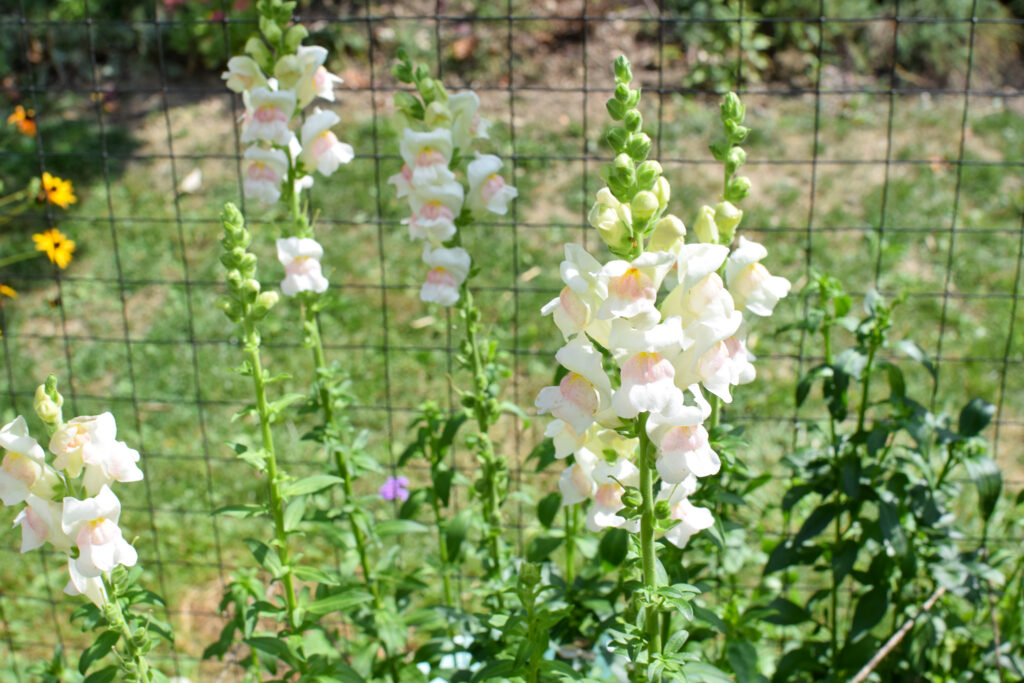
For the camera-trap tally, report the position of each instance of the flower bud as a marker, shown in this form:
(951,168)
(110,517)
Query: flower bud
(257,49)
(623,72)
(264,302)
(736,158)
(631,498)
(622,93)
(639,146)
(438,115)
(727,217)
(644,205)
(612,219)
(647,174)
(250,290)
(46,407)
(732,109)
(663,191)
(705,227)
(529,574)
(633,121)
(668,234)
(662,509)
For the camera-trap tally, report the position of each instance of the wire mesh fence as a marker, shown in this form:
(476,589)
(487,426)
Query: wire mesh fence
(887,150)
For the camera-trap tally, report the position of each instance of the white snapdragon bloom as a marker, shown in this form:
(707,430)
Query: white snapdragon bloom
(487,189)
(611,480)
(564,439)
(243,74)
(752,286)
(633,287)
(40,522)
(403,181)
(646,358)
(575,308)
(577,481)
(324,83)
(265,169)
(82,440)
(692,519)
(320,146)
(683,450)
(449,268)
(741,365)
(298,72)
(268,113)
(92,523)
(584,391)
(115,462)
(434,210)
(428,155)
(301,260)
(23,470)
(89,586)
(466,122)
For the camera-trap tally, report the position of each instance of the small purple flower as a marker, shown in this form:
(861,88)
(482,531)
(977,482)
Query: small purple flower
(395,488)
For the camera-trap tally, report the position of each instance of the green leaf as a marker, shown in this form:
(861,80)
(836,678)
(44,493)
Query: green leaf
(614,545)
(816,522)
(339,602)
(987,477)
(99,649)
(548,508)
(803,387)
(975,416)
(266,556)
(702,672)
(455,533)
(743,659)
(102,676)
(274,647)
(302,487)
(786,613)
(870,610)
(314,574)
(241,511)
(912,350)
(541,547)
(394,527)
(544,452)
(294,512)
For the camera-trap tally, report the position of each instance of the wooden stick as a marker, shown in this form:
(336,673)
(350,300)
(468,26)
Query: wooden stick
(893,641)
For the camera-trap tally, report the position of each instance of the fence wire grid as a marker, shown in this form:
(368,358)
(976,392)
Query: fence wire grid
(888,149)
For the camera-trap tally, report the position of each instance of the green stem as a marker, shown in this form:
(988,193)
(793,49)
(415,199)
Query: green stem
(647,547)
(863,408)
(18,258)
(13,197)
(834,594)
(442,551)
(252,348)
(572,521)
(119,623)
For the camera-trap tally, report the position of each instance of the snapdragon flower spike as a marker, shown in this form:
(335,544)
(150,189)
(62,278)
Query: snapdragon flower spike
(301,260)
(752,286)
(320,147)
(92,523)
(583,393)
(427,154)
(487,189)
(23,470)
(691,519)
(434,209)
(268,114)
(265,170)
(645,359)
(449,268)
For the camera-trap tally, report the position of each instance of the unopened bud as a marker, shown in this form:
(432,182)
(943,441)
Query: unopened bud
(633,121)
(47,408)
(662,510)
(663,191)
(647,174)
(529,574)
(736,158)
(438,115)
(631,498)
(264,302)
(727,218)
(644,205)
(732,109)
(623,72)
(737,189)
(639,146)
(668,234)
(705,227)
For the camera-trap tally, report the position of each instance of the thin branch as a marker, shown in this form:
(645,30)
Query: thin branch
(891,644)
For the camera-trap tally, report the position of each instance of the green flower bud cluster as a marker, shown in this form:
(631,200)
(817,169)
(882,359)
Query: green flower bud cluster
(48,402)
(718,224)
(432,110)
(245,302)
(276,37)
(637,194)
